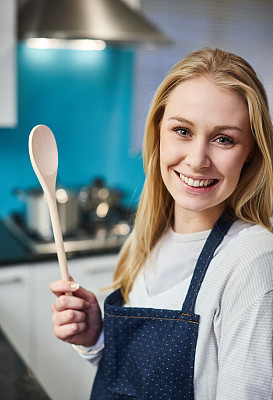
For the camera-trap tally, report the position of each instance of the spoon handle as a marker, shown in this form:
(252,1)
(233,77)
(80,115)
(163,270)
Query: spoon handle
(58,237)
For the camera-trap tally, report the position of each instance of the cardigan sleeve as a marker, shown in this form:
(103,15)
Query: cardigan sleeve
(246,353)
(94,353)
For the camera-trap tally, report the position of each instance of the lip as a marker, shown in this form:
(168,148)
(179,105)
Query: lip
(197,178)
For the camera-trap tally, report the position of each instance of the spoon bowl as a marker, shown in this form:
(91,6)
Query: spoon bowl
(44,150)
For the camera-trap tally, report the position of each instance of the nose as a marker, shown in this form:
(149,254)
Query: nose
(198,156)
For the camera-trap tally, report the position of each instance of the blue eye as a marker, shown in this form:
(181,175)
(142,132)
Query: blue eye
(225,140)
(182,131)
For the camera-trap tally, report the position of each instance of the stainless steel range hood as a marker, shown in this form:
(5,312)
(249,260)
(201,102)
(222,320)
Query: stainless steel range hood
(109,20)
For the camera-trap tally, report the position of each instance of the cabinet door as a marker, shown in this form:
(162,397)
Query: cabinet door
(16,318)
(58,367)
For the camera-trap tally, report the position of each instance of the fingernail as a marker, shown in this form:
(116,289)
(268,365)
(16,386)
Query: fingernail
(74,286)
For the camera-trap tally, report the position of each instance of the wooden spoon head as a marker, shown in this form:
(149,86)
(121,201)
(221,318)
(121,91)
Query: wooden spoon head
(43,150)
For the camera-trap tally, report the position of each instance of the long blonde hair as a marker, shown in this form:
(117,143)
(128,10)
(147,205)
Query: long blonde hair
(253,197)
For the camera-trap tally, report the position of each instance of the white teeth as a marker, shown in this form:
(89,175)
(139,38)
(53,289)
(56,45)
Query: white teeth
(197,182)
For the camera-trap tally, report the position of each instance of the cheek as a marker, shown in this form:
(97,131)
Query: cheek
(165,154)
(231,166)
(166,157)
(170,153)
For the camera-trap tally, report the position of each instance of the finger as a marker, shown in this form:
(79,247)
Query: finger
(60,287)
(66,332)
(68,317)
(70,302)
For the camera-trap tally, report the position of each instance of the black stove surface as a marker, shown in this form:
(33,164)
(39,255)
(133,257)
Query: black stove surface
(103,236)
(17,245)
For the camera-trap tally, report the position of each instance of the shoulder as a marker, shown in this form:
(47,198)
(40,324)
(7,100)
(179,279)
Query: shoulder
(251,246)
(241,271)
(244,231)
(247,268)
(246,243)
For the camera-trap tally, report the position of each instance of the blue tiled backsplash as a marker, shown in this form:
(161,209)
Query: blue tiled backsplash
(86,99)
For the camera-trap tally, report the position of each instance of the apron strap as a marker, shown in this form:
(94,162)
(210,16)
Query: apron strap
(214,239)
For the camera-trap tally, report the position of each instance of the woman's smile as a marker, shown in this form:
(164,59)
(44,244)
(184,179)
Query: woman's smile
(201,182)
(205,140)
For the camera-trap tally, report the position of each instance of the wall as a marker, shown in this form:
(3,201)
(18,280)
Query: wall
(85,98)
(243,27)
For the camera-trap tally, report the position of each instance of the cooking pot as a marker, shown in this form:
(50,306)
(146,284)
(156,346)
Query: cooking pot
(99,198)
(37,217)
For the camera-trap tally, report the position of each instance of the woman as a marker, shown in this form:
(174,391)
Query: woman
(191,316)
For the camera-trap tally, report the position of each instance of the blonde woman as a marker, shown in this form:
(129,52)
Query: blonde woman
(191,314)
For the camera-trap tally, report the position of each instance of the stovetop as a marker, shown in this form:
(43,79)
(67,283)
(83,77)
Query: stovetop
(91,236)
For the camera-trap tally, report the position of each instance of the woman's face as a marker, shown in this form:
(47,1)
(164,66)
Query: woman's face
(205,139)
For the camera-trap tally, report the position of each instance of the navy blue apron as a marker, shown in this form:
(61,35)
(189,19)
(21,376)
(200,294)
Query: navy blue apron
(150,353)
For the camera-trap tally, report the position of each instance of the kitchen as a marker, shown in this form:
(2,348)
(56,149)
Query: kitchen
(94,102)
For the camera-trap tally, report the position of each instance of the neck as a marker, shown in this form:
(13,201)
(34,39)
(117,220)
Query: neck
(191,222)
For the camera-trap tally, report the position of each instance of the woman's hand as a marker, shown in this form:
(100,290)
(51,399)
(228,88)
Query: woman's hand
(76,319)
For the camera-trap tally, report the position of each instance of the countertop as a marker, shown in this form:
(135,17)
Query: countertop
(16,380)
(11,250)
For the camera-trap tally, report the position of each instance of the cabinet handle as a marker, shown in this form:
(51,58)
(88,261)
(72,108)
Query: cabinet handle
(10,280)
(98,269)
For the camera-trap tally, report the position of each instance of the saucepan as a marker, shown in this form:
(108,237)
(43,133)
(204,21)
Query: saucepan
(37,217)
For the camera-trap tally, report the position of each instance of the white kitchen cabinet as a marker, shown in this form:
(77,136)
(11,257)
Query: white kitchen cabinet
(59,369)
(15,308)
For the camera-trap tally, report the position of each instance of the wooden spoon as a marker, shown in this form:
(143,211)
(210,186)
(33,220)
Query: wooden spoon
(44,159)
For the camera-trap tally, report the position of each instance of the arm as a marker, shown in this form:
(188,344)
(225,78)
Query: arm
(246,354)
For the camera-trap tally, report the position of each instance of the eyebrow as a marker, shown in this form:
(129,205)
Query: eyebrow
(181,119)
(229,127)
(218,127)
